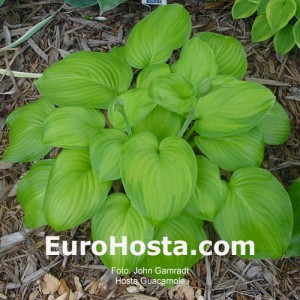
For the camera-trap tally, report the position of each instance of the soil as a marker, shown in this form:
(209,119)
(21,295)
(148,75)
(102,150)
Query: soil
(25,271)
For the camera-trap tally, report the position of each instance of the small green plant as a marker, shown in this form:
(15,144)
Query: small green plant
(104,5)
(278,18)
(142,155)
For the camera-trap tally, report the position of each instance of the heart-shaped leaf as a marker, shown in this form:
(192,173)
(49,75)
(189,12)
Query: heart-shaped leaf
(275,125)
(244,8)
(280,12)
(261,30)
(201,66)
(105,149)
(259,209)
(74,194)
(151,72)
(31,191)
(173,92)
(86,79)
(26,132)
(154,38)
(210,192)
(161,122)
(233,152)
(284,40)
(119,219)
(137,105)
(153,173)
(72,127)
(231,111)
(294,192)
(186,229)
(230,54)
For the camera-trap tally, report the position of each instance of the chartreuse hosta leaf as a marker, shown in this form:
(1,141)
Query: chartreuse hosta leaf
(296,32)
(280,12)
(211,84)
(257,208)
(153,172)
(173,92)
(230,54)
(183,228)
(201,66)
(161,122)
(26,132)
(137,106)
(105,149)
(85,79)
(284,40)
(233,152)
(244,8)
(261,30)
(154,38)
(72,127)
(210,192)
(294,192)
(151,72)
(31,191)
(74,193)
(231,111)
(118,218)
(275,125)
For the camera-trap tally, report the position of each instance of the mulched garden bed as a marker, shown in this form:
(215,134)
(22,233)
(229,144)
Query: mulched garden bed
(25,271)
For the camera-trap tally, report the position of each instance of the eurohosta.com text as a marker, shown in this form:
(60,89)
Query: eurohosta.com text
(54,246)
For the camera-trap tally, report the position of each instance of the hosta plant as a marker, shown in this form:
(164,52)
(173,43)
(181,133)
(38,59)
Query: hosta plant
(279,19)
(104,5)
(150,149)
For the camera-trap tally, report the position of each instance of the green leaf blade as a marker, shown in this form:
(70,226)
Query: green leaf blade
(246,214)
(137,105)
(86,79)
(105,150)
(183,228)
(106,5)
(128,223)
(210,192)
(261,30)
(148,44)
(152,175)
(294,192)
(231,111)
(72,127)
(276,125)
(230,54)
(74,189)
(161,122)
(280,12)
(195,70)
(234,152)
(31,192)
(244,9)
(173,92)
(26,132)
(284,40)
